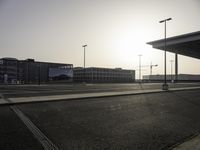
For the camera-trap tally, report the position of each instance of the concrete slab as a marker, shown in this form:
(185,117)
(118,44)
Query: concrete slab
(2,100)
(88,95)
(193,144)
(78,96)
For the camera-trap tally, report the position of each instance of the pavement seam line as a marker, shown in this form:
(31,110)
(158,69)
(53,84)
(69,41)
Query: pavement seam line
(44,140)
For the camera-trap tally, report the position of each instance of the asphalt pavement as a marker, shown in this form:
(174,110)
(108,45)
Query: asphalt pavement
(14,135)
(156,121)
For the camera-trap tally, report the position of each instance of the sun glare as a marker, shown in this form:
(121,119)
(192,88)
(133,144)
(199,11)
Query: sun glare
(129,45)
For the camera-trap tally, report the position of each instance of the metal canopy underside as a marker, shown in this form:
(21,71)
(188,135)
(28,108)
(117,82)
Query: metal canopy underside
(186,44)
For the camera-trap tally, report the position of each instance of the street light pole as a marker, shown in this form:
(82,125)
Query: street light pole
(171,70)
(84,54)
(39,73)
(151,67)
(140,67)
(84,60)
(165,85)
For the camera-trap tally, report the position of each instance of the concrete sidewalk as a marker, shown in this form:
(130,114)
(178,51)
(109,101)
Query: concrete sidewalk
(192,144)
(19,100)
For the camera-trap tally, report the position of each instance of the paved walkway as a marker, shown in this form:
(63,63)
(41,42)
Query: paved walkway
(193,144)
(83,95)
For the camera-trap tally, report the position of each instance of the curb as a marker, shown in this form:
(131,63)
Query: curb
(10,102)
(186,139)
(68,97)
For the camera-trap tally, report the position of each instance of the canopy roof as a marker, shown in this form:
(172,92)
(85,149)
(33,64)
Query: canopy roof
(186,44)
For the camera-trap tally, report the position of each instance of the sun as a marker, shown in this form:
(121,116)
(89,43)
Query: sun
(130,45)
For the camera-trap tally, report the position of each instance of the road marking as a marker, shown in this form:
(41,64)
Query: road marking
(45,141)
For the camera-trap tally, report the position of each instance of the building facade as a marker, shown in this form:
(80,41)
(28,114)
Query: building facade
(8,70)
(181,77)
(103,75)
(13,71)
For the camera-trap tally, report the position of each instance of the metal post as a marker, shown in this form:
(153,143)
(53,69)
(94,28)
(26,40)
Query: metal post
(165,85)
(165,57)
(151,67)
(140,68)
(84,62)
(84,57)
(176,67)
(171,70)
(28,76)
(39,74)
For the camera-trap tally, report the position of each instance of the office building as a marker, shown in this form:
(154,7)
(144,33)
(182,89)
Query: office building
(103,75)
(181,77)
(8,70)
(29,71)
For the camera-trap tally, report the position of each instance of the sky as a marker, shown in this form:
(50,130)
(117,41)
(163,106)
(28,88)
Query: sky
(116,31)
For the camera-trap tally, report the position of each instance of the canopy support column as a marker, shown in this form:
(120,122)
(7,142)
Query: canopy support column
(176,67)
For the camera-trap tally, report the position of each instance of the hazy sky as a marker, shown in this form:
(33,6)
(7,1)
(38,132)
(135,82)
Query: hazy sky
(116,31)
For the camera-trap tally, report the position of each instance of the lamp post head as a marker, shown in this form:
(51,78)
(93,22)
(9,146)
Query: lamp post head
(84,45)
(168,19)
(161,21)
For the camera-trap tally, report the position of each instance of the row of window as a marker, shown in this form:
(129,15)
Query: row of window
(103,75)
(110,78)
(100,71)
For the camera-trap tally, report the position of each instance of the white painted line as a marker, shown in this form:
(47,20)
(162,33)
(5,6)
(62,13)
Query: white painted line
(46,142)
